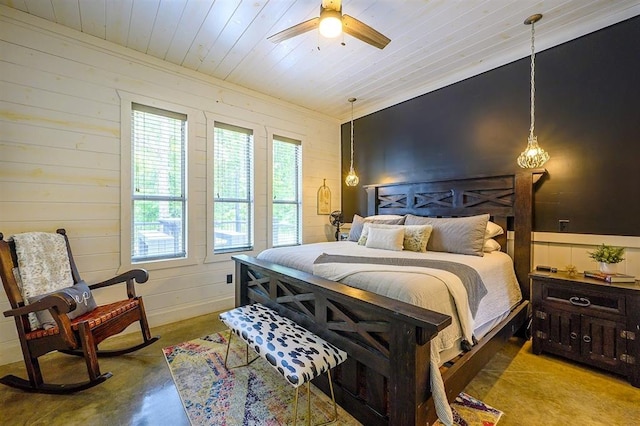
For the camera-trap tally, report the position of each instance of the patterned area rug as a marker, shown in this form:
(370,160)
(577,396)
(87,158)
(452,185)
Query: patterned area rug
(258,395)
(468,411)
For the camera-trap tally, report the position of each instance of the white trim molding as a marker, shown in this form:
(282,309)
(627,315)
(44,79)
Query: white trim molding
(559,250)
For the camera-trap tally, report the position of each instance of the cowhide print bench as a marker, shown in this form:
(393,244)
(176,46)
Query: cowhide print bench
(295,352)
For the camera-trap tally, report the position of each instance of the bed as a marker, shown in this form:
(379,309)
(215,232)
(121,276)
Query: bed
(391,341)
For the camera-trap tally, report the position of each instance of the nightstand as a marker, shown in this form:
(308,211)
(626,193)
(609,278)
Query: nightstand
(588,321)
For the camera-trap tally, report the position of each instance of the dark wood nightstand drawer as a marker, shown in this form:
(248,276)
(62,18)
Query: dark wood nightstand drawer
(582,298)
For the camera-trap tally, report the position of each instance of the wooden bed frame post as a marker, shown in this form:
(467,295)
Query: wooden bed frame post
(372,199)
(409,388)
(524,187)
(242,296)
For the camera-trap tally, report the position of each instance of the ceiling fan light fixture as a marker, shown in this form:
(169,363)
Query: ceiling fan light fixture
(330,23)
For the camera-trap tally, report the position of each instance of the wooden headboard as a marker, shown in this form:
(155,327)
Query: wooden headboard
(507,198)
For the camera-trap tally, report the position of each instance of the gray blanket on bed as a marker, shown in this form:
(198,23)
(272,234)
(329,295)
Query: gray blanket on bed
(470,278)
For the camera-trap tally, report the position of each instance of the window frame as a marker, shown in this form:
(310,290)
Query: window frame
(126,174)
(247,199)
(256,210)
(299,202)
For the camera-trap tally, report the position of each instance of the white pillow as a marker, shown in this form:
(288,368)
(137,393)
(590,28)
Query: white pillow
(493,230)
(491,245)
(368,225)
(416,237)
(385,238)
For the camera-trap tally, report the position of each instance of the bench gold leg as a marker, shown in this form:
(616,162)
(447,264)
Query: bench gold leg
(246,347)
(333,399)
(295,408)
(228,346)
(308,403)
(295,405)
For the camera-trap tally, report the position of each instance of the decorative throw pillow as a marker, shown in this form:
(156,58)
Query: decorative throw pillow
(385,238)
(415,236)
(462,235)
(491,245)
(493,230)
(80,293)
(358,223)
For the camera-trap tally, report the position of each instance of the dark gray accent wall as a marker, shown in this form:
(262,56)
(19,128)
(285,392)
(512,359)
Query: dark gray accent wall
(587,118)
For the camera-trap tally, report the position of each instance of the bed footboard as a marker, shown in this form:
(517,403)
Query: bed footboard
(385,380)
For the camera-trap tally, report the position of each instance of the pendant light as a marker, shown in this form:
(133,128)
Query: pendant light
(533,156)
(352,179)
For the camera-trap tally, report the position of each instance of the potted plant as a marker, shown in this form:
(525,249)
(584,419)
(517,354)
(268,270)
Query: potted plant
(606,256)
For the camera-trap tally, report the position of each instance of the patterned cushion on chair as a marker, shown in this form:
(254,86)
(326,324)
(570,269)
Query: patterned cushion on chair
(298,354)
(44,265)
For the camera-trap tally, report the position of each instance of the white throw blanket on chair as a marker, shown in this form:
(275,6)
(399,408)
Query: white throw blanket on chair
(43,263)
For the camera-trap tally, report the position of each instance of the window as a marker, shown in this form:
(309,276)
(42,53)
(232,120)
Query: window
(232,188)
(287,192)
(158,197)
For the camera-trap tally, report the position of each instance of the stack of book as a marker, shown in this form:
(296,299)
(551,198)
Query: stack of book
(610,278)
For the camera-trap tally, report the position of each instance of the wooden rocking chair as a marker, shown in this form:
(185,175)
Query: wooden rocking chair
(78,336)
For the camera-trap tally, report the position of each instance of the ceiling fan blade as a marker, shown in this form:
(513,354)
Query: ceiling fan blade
(362,31)
(296,30)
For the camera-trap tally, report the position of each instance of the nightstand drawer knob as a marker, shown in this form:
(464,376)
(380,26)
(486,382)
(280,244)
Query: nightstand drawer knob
(587,339)
(573,335)
(579,301)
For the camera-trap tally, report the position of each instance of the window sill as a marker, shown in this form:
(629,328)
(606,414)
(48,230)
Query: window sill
(157,264)
(226,256)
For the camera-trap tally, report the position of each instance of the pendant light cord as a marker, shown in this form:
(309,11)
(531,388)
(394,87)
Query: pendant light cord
(352,135)
(533,82)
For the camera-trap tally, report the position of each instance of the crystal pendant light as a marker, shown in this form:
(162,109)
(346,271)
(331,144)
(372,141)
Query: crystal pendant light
(533,156)
(352,179)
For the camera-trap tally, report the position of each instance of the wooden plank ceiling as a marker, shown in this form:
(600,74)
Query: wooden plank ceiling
(433,42)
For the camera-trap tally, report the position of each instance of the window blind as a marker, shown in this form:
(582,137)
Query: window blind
(232,188)
(158,183)
(287,192)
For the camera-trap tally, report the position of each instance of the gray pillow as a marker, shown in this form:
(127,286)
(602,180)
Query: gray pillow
(358,223)
(462,235)
(80,293)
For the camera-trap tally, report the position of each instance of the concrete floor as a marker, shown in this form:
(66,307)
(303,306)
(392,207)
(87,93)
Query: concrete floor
(529,389)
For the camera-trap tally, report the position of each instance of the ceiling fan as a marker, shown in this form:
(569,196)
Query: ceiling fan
(331,23)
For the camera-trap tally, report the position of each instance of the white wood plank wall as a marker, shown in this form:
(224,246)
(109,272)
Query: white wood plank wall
(559,250)
(60,157)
